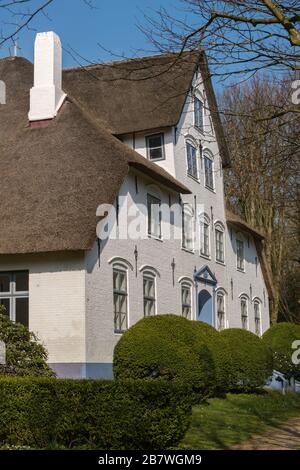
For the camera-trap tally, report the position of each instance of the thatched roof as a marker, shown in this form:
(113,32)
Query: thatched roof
(142,94)
(53,178)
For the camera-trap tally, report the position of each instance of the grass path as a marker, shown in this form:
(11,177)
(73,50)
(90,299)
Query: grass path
(284,437)
(223,423)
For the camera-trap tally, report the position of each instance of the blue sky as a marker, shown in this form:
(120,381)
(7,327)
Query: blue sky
(112,24)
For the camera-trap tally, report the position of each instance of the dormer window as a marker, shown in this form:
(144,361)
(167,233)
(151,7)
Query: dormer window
(155,147)
(198,113)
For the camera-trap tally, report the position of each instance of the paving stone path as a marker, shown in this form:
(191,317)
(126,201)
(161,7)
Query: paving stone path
(284,437)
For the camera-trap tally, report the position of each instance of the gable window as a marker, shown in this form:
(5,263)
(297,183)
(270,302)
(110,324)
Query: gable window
(155,147)
(205,242)
(120,299)
(240,255)
(149,290)
(209,170)
(191,152)
(220,311)
(154,216)
(257,318)
(186,301)
(244,313)
(219,234)
(187,227)
(14,295)
(198,113)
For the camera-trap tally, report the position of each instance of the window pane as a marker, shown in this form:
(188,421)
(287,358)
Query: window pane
(156,153)
(6,304)
(22,282)
(22,311)
(4,282)
(155,140)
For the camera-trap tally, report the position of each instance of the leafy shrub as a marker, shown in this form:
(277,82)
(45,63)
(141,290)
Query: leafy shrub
(164,346)
(251,361)
(124,415)
(24,355)
(221,355)
(279,338)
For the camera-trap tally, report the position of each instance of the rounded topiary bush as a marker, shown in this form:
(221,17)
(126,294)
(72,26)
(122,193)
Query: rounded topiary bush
(280,338)
(221,355)
(163,346)
(251,360)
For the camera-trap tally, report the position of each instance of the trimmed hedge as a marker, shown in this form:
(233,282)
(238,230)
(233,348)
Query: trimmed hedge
(279,338)
(164,346)
(122,415)
(221,355)
(251,360)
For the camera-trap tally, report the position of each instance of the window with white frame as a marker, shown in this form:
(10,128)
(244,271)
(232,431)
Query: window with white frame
(209,171)
(219,236)
(240,254)
(155,147)
(198,113)
(205,236)
(120,292)
(154,216)
(244,313)
(257,317)
(14,295)
(220,311)
(192,167)
(186,300)
(149,292)
(187,227)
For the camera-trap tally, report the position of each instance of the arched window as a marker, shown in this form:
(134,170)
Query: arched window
(120,293)
(244,312)
(186,299)
(208,169)
(221,314)
(257,316)
(192,158)
(149,293)
(240,252)
(187,227)
(219,241)
(205,235)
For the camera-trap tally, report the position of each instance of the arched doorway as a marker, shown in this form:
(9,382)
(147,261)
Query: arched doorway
(205,307)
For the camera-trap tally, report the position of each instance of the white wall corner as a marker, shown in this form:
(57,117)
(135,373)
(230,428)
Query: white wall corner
(46,96)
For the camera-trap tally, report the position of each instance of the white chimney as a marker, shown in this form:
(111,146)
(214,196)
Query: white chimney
(46,96)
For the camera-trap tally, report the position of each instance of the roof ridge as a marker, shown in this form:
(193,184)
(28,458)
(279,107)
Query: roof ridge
(128,60)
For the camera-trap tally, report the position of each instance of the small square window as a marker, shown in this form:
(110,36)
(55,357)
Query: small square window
(155,147)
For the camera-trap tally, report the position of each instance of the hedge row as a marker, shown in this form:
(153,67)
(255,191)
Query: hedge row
(177,349)
(123,415)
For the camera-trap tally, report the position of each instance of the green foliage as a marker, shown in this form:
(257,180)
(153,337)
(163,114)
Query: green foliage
(251,360)
(92,414)
(163,346)
(279,338)
(24,355)
(221,355)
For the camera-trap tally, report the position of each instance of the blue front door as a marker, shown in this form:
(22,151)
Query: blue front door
(205,307)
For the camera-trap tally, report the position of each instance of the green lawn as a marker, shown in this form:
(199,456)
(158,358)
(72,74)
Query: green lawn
(224,422)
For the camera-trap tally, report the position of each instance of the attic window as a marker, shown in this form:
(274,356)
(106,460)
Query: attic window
(198,113)
(155,147)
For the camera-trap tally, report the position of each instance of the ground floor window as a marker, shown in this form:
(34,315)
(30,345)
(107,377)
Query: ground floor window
(149,290)
(221,311)
(257,318)
(14,295)
(186,301)
(244,313)
(120,300)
